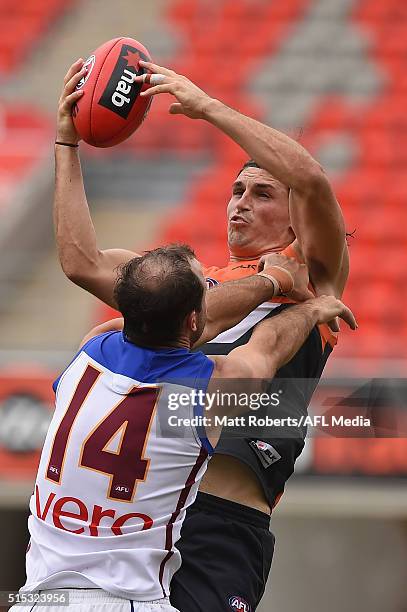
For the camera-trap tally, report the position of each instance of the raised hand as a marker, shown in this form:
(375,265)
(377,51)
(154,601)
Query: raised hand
(191,101)
(66,131)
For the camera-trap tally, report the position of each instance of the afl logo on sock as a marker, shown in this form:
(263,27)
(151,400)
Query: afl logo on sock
(237,603)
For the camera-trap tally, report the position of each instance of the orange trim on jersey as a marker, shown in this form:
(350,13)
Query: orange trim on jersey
(236,270)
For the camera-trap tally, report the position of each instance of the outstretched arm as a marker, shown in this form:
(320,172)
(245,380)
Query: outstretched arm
(80,258)
(227,304)
(316,217)
(275,341)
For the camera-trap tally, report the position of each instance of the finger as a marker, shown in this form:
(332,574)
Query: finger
(348,316)
(304,271)
(152,91)
(176,109)
(261,263)
(70,100)
(72,83)
(72,70)
(153,78)
(156,68)
(333,324)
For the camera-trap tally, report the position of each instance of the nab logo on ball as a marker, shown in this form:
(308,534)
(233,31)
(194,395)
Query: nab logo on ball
(237,603)
(121,92)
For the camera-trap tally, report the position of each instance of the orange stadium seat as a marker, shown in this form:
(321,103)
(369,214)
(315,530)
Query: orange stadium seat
(24,140)
(375,11)
(23,24)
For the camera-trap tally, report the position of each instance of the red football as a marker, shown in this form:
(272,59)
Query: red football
(111,108)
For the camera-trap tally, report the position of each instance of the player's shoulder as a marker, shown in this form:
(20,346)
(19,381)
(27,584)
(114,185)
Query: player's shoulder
(112,340)
(92,349)
(232,366)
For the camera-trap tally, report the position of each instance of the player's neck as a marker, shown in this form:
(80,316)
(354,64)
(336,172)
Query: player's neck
(254,257)
(181,343)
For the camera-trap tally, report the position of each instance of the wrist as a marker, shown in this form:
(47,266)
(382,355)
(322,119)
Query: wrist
(210,108)
(283,277)
(312,309)
(63,144)
(271,284)
(67,137)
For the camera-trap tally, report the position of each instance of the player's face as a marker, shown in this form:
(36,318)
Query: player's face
(200,317)
(258,215)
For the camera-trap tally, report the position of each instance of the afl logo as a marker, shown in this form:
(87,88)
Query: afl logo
(237,603)
(262,445)
(211,282)
(88,65)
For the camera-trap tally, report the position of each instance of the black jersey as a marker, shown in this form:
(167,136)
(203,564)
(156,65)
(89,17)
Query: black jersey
(271,452)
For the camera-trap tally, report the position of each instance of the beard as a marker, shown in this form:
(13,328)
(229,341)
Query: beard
(237,237)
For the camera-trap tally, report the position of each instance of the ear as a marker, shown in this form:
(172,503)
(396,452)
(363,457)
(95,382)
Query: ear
(193,321)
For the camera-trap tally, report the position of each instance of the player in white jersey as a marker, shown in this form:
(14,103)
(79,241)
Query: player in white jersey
(113,484)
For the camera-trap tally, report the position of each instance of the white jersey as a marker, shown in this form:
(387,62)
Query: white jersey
(113,484)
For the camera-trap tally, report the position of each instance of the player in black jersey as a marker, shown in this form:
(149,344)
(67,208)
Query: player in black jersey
(283,201)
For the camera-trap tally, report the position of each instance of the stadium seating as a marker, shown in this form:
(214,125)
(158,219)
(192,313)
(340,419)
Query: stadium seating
(23,24)
(24,132)
(24,141)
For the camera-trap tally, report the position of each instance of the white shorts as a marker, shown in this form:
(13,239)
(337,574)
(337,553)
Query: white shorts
(96,600)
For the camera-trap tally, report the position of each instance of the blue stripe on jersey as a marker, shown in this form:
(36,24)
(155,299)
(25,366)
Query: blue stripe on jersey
(179,366)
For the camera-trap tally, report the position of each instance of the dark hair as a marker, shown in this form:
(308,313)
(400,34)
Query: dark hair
(249,164)
(156,292)
(252,164)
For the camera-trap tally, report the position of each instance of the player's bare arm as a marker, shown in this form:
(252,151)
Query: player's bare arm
(80,257)
(275,341)
(229,303)
(316,217)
